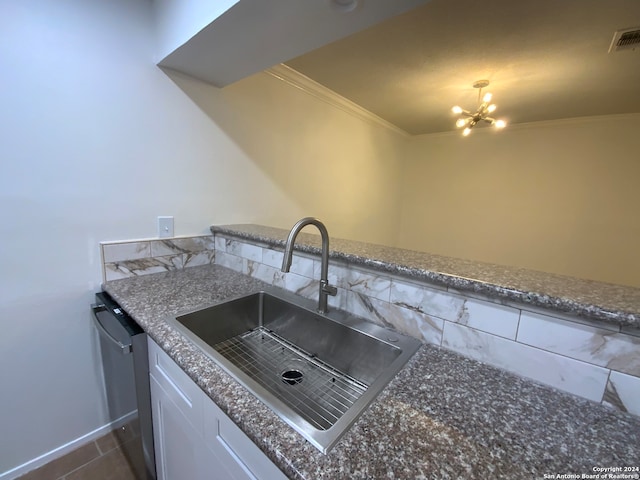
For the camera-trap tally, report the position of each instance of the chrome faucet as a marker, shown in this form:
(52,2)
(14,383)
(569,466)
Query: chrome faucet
(325,288)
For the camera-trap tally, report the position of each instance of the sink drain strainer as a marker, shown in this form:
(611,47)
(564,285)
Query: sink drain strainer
(292,377)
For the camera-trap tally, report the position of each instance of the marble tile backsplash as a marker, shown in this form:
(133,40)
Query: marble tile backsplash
(596,361)
(129,258)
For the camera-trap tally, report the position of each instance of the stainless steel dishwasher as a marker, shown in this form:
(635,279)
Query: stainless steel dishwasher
(123,346)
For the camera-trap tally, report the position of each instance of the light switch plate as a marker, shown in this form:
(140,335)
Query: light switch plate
(165,227)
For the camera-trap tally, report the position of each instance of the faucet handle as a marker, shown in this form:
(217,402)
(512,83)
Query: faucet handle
(328,289)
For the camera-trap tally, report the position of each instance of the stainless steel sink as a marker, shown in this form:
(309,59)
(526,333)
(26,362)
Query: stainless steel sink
(317,372)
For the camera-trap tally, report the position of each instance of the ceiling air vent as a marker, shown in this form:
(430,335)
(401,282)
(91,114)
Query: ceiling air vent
(628,39)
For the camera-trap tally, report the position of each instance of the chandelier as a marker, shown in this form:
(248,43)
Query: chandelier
(468,119)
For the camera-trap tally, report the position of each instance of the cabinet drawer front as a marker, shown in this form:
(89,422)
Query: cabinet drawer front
(182,391)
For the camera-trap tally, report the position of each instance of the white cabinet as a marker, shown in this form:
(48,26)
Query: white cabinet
(193,438)
(179,447)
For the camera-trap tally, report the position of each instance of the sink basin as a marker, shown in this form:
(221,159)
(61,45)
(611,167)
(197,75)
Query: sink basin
(317,372)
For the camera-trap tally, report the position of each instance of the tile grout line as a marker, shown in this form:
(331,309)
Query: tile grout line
(99,449)
(100,454)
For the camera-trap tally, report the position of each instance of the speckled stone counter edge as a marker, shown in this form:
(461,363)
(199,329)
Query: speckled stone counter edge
(610,303)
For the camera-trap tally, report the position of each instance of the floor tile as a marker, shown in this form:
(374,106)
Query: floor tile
(112,466)
(117,437)
(59,467)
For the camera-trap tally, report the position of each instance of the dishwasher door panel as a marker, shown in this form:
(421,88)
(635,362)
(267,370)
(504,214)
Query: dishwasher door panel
(117,363)
(123,348)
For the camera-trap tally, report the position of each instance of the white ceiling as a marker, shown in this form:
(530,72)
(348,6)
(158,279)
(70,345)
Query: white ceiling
(545,59)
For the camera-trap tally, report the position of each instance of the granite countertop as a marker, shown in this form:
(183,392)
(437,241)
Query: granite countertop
(443,416)
(607,302)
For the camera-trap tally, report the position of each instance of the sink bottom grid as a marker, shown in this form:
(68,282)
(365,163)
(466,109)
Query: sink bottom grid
(313,389)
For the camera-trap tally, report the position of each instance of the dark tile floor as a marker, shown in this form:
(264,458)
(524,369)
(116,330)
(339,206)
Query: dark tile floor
(111,457)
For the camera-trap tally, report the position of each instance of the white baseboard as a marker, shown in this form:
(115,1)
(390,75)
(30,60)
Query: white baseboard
(67,447)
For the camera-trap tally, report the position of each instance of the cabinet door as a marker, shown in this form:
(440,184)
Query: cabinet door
(181,453)
(243,459)
(194,439)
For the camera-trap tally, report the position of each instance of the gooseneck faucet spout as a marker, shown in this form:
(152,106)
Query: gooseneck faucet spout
(325,288)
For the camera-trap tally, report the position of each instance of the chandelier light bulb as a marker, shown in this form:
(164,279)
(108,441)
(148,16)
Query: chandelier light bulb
(466,131)
(500,124)
(457,110)
(491,108)
(461,122)
(487,97)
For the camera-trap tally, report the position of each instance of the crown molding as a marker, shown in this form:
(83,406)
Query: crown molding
(311,87)
(296,79)
(581,120)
